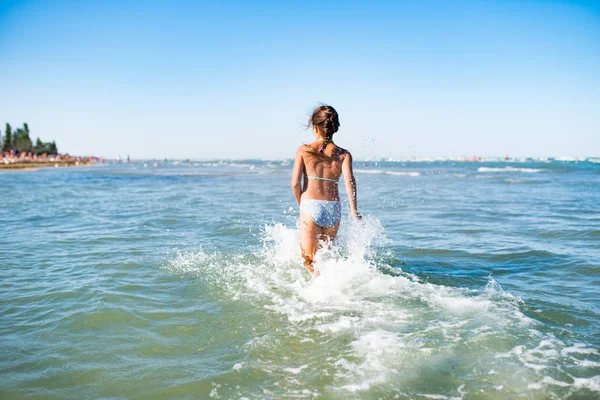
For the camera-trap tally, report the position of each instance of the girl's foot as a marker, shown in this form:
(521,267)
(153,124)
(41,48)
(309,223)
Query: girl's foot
(308,263)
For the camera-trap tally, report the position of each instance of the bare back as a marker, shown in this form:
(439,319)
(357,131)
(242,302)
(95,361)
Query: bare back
(326,165)
(329,165)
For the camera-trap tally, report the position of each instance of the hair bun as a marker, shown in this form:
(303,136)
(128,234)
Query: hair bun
(326,119)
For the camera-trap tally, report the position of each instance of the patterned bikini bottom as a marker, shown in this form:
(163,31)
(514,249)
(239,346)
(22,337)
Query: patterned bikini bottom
(325,213)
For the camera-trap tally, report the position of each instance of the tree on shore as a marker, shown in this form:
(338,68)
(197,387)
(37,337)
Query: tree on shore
(7,144)
(41,147)
(51,147)
(21,141)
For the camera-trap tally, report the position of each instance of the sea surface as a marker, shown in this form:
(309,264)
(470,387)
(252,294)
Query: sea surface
(175,279)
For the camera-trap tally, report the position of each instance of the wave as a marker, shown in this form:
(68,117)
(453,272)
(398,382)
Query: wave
(241,165)
(387,172)
(377,329)
(508,169)
(524,181)
(569,159)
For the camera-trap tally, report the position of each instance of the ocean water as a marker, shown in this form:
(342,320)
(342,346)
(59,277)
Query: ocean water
(184,280)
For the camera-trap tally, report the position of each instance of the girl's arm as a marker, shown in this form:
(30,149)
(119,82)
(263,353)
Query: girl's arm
(297,175)
(350,184)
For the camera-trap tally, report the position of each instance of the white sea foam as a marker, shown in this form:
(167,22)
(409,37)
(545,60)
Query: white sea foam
(387,172)
(578,348)
(592,383)
(566,158)
(508,169)
(242,165)
(372,329)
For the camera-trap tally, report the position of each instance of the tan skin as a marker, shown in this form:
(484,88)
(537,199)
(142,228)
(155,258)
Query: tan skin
(331,164)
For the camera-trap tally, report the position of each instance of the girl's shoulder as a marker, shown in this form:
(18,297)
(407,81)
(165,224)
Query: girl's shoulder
(311,151)
(342,152)
(306,149)
(305,146)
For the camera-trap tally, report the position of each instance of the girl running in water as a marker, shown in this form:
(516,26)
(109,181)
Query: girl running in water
(317,170)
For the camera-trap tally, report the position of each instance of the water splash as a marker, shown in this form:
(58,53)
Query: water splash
(365,331)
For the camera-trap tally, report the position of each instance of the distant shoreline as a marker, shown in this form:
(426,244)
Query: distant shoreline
(17,164)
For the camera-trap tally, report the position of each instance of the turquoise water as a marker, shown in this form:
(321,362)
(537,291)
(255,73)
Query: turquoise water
(184,280)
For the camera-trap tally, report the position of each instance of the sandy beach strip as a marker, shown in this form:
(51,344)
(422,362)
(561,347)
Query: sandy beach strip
(33,165)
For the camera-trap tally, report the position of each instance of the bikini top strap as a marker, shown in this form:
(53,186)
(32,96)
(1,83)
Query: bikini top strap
(321,179)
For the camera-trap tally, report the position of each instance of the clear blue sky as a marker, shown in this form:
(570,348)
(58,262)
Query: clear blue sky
(237,79)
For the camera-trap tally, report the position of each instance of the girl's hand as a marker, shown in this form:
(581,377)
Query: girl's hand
(357,216)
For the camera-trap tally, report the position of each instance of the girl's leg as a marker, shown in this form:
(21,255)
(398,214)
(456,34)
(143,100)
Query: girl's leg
(331,233)
(309,240)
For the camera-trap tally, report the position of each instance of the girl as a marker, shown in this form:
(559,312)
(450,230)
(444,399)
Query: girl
(318,166)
